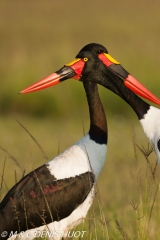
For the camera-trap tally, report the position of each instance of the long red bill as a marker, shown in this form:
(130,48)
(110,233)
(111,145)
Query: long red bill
(46,82)
(51,80)
(70,70)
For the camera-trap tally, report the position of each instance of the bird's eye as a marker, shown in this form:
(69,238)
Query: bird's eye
(158,144)
(99,51)
(85,59)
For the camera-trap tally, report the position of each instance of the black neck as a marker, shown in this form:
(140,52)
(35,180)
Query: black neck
(98,123)
(139,106)
(117,86)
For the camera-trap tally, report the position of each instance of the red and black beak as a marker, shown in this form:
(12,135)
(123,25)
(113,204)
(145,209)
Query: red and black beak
(129,81)
(70,70)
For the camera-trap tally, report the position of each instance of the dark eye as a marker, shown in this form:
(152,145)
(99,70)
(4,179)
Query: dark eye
(99,51)
(158,144)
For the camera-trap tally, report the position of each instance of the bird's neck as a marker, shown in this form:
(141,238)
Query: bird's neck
(139,106)
(98,123)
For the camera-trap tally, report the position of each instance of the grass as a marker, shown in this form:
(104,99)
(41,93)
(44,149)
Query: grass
(126,205)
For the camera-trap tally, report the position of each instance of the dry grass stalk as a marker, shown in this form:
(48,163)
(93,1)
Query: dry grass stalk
(33,138)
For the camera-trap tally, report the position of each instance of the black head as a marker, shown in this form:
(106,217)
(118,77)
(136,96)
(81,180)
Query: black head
(94,70)
(94,48)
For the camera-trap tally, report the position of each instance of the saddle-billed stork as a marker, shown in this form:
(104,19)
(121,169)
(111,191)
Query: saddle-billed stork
(57,196)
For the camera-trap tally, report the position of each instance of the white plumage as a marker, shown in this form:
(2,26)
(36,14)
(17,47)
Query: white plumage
(151,126)
(79,158)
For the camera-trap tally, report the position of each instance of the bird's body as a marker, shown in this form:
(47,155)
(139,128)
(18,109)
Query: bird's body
(57,196)
(44,200)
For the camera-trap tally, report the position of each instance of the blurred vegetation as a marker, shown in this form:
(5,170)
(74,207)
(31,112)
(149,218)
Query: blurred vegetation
(39,37)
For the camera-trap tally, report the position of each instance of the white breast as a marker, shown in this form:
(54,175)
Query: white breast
(78,159)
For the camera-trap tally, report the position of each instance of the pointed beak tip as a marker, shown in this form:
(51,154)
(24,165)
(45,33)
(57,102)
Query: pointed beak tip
(21,92)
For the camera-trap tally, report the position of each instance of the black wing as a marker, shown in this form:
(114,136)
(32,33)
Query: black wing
(38,199)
